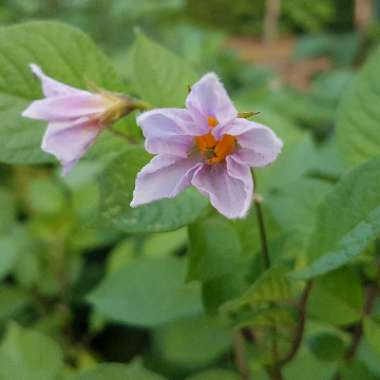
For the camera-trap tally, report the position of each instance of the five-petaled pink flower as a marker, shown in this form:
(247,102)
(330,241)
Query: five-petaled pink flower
(75,118)
(206,145)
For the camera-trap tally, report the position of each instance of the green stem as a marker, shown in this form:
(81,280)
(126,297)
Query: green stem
(262,231)
(301,326)
(275,371)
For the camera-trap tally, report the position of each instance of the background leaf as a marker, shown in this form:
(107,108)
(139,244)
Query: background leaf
(358,116)
(192,342)
(214,374)
(272,285)
(215,249)
(159,76)
(29,355)
(341,290)
(117,372)
(147,292)
(372,334)
(327,347)
(337,240)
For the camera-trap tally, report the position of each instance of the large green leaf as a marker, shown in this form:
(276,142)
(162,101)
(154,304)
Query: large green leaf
(294,205)
(215,249)
(159,76)
(29,355)
(348,221)
(192,342)
(64,53)
(116,187)
(147,292)
(358,115)
(337,297)
(117,372)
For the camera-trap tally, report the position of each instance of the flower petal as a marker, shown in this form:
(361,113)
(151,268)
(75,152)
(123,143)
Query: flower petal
(168,131)
(52,87)
(259,145)
(228,185)
(69,141)
(208,97)
(65,107)
(164,177)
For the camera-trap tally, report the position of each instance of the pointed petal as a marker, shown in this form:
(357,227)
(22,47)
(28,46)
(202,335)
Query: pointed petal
(208,97)
(164,177)
(69,141)
(65,107)
(168,131)
(52,87)
(259,145)
(228,185)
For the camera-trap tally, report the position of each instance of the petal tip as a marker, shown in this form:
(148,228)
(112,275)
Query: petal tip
(36,70)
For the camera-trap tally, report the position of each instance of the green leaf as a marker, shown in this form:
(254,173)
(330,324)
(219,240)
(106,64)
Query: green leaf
(7,210)
(147,292)
(46,197)
(159,76)
(294,205)
(192,342)
(298,160)
(163,244)
(327,347)
(29,355)
(116,189)
(337,297)
(266,316)
(272,286)
(219,290)
(215,249)
(13,245)
(372,334)
(122,254)
(358,115)
(348,221)
(64,53)
(117,372)
(215,374)
(294,208)
(9,251)
(12,300)
(357,371)
(306,366)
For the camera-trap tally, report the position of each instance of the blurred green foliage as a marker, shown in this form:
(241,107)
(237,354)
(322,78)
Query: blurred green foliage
(79,287)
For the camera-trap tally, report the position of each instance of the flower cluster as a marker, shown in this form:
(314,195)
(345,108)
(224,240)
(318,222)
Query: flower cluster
(205,145)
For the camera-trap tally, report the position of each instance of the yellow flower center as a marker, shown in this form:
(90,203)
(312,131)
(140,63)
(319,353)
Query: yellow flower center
(215,151)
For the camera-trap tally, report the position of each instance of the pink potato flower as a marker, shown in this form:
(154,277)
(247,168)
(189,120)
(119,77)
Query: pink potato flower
(206,145)
(75,118)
